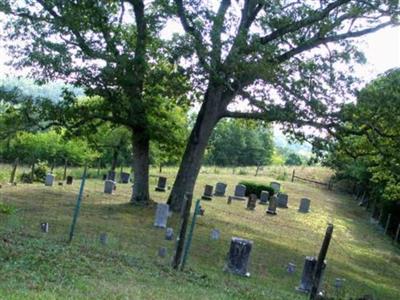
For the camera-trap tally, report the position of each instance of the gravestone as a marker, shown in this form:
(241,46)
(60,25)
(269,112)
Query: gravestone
(111,175)
(70,179)
(103,238)
(304,205)
(162,184)
(169,234)
(291,268)
(49,180)
(251,202)
(264,197)
(161,215)
(208,191)
(220,189)
(339,282)
(238,256)
(109,186)
(276,186)
(272,205)
(307,276)
(282,200)
(125,177)
(215,234)
(240,193)
(44,227)
(162,252)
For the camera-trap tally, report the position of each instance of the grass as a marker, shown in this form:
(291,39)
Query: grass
(35,265)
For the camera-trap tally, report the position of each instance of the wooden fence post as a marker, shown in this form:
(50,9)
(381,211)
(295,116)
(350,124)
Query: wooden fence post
(320,262)
(387,223)
(65,169)
(293,173)
(181,239)
(396,237)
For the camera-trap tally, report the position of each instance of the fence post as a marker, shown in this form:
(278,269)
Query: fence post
(78,205)
(387,223)
(293,173)
(190,234)
(396,237)
(181,238)
(65,169)
(320,262)
(14,171)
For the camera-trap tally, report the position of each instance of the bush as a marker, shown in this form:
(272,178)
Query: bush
(40,172)
(256,188)
(25,178)
(6,209)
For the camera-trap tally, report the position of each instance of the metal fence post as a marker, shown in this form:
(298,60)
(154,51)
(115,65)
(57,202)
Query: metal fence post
(189,239)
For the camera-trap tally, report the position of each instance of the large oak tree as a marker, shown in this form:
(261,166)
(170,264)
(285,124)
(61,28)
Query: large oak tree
(286,61)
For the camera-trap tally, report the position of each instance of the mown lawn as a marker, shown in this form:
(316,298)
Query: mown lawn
(35,265)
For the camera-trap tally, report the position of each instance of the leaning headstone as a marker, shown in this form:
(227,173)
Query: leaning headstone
(162,184)
(208,191)
(44,227)
(103,238)
(238,256)
(304,205)
(111,175)
(240,193)
(307,276)
(276,186)
(251,202)
(215,234)
(282,200)
(264,197)
(109,186)
(125,177)
(161,215)
(162,252)
(49,180)
(169,234)
(272,205)
(220,189)
(291,268)
(70,179)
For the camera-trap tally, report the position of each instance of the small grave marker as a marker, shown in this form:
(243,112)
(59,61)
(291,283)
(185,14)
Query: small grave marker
(220,189)
(49,180)
(169,234)
(125,177)
(291,268)
(70,180)
(304,205)
(208,192)
(282,200)
(162,252)
(215,234)
(240,193)
(162,184)
(44,227)
(264,197)
(251,202)
(307,276)
(109,186)
(272,205)
(161,217)
(238,256)
(103,238)
(276,186)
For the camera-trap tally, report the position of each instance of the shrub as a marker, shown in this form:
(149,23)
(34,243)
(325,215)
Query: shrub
(25,178)
(40,172)
(6,209)
(256,188)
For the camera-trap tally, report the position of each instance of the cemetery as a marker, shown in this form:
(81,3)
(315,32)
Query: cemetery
(245,247)
(216,149)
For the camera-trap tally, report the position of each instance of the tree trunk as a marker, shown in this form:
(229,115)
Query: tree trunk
(65,169)
(114,159)
(191,162)
(140,148)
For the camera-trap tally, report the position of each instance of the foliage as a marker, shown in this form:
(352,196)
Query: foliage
(6,209)
(293,160)
(256,188)
(239,143)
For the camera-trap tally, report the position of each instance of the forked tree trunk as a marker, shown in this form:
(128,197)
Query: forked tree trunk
(191,162)
(140,148)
